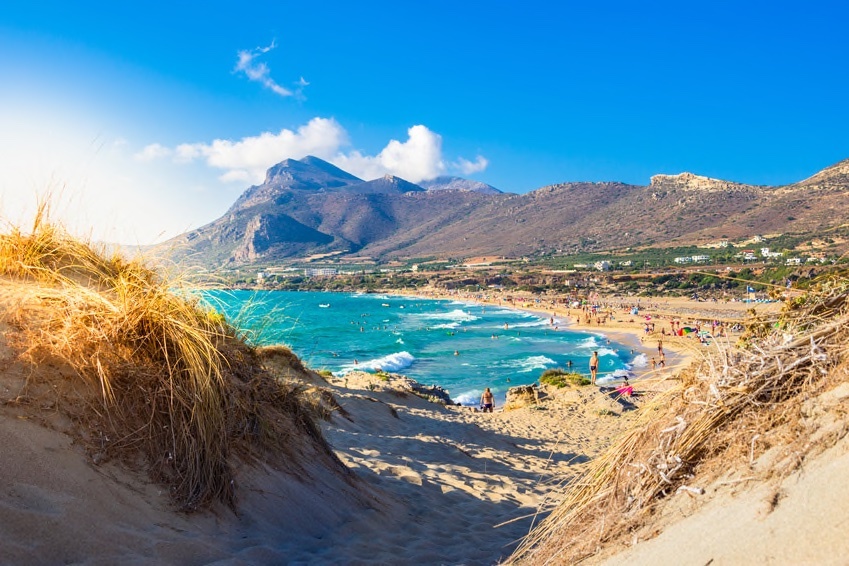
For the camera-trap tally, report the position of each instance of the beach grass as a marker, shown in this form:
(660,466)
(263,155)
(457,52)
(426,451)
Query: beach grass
(557,377)
(148,373)
(722,410)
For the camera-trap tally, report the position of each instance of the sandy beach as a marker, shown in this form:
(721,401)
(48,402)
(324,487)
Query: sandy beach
(427,483)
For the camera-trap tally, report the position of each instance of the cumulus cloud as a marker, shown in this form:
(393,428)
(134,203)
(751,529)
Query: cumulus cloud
(416,159)
(257,71)
(466,167)
(248,158)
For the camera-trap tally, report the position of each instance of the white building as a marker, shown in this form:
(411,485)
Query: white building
(320,271)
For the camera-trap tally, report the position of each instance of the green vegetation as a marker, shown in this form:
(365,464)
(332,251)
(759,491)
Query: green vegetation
(561,378)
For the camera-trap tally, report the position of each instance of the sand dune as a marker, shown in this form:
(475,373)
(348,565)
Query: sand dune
(427,484)
(465,485)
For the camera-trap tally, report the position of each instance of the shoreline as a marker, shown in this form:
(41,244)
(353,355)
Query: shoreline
(678,354)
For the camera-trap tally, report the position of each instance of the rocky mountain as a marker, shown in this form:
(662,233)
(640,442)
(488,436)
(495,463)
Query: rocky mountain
(309,206)
(458,184)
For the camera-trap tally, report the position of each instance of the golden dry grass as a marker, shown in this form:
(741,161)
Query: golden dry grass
(155,377)
(722,410)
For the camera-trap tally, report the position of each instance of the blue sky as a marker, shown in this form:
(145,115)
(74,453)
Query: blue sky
(149,119)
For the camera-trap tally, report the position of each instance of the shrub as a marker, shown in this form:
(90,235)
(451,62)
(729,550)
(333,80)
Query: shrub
(561,378)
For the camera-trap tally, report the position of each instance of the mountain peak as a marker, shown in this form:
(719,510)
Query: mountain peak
(328,167)
(690,182)
(310,170)
(835,174)
(388,184)
(447,183)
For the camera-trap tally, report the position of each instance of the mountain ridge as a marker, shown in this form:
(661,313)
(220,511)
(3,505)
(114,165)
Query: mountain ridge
(309,206)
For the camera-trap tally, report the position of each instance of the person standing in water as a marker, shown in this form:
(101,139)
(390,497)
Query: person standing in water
(487,401)
(593,367)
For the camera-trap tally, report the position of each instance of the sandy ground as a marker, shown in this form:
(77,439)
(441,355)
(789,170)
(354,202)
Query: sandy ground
(428,484)
(469,484)
(797,518)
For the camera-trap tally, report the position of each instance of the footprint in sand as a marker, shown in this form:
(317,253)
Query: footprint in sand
(402,473)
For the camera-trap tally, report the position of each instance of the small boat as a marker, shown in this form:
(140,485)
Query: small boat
(324,305)
(384,304)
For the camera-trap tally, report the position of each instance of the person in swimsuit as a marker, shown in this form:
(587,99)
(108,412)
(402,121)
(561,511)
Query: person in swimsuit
(593,367)
(487,401)
(625,389)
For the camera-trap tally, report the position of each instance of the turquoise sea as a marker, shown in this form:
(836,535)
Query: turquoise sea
(463,347)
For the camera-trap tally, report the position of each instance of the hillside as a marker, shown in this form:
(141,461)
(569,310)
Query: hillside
(310,207)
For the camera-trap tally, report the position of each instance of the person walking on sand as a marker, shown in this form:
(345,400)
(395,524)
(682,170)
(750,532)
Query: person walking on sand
(487,401)
(593,368)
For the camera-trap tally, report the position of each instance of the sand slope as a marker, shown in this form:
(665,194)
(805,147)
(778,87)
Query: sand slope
(60,503)
(455,475)
(57,507)
(759,513)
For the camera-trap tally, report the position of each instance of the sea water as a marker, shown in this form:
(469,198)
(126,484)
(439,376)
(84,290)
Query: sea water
(463,347)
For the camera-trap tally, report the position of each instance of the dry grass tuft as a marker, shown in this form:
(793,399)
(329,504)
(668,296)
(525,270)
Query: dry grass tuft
(160,379)
(726,404)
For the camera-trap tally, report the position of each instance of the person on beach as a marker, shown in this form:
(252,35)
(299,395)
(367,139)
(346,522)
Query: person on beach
(487,401)
(625,389)
(593,368)
(660,347)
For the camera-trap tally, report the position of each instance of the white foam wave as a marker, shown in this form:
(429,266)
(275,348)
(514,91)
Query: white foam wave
(538,322)
(469,398)
(457,315)
(399,341)
(504,312)
(640,361)
(529,364)
(380,296)
(615,375)
(447,325)
(393,363)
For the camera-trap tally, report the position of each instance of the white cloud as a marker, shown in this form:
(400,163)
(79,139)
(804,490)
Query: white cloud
(417,159)
(151,152)
(117,189)
(466,167)
(248,158)
(258,71)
